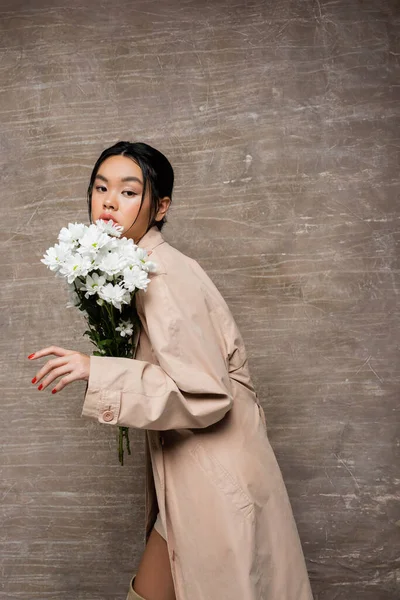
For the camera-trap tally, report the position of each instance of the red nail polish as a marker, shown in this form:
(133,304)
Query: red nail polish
(54,391)
(31,355)
(40,387)
(34,380)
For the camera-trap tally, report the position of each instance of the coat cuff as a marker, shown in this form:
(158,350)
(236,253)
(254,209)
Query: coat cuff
(100,404)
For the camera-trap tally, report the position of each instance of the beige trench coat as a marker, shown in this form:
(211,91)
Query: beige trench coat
(230,528)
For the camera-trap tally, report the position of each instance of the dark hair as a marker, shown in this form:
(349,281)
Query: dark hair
(157,173)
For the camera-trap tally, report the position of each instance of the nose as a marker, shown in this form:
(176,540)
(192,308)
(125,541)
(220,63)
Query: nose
(110,202)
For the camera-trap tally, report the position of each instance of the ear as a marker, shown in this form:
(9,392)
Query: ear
(163,207)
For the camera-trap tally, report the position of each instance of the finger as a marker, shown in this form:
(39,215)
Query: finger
(50,350)
(63,370)
(54,363)
(64,381)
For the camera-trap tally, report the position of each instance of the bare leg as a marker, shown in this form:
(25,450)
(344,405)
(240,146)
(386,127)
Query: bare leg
(154,579)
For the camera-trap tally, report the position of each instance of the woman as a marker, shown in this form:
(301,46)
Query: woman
(219,524)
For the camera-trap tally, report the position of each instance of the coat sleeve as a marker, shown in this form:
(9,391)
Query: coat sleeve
(189,388)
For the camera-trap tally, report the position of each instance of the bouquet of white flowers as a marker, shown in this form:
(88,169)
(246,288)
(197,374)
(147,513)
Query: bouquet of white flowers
(103,271)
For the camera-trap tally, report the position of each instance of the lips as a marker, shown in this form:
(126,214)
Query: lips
(106,217)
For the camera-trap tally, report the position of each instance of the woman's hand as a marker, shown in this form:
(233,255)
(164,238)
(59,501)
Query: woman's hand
(69,364)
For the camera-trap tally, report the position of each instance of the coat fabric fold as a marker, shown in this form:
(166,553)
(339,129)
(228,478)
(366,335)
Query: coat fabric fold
(230,529)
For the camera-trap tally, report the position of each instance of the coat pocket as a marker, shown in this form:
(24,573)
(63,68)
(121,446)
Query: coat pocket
(222,479)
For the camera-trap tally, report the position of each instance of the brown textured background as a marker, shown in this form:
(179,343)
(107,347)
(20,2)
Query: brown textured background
(281,120)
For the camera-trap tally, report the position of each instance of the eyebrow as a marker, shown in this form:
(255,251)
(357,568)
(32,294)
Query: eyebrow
(98,176)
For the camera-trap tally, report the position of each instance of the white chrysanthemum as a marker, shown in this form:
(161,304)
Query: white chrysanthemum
(93,283)
(125,328)
(146,265)
(73,298)
(142,253)
(56,256)
(75,266)
(149,266)
(71,235)
(114,294)
(112,263)
(103,253)
(135,278)
(92,241)
(128,249)
(97,258)
(79,283)
(109,227)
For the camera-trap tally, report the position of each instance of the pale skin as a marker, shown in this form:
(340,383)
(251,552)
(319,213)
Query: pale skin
(116,192)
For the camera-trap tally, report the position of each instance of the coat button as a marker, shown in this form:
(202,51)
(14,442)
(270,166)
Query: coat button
(162,440)
(108,415)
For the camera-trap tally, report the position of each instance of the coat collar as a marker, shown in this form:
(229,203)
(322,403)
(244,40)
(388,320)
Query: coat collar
(151,239)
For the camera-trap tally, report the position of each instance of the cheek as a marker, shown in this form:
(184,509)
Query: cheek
(131,208)
(96,203)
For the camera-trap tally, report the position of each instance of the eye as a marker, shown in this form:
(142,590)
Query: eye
(129,193)
(100,188)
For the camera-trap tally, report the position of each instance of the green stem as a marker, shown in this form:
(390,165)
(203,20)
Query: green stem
(123,433)
(126,434)
(101,329)
(121,446)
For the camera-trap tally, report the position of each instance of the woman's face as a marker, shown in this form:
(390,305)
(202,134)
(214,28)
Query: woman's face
(116,195)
